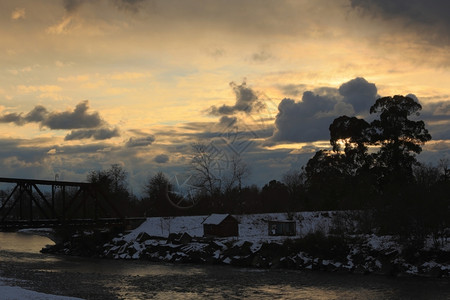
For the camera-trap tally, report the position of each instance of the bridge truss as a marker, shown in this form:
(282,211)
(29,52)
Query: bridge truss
(45,203)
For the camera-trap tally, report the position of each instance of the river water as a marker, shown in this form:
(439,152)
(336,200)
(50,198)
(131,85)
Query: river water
(23,265)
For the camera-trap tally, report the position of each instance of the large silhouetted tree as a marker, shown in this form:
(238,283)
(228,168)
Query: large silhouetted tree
(350,172)
(399,137)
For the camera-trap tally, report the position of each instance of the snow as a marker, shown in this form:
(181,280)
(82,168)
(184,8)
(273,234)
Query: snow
(36,230)
(227,261)
(382,242)
(18,293)
(163,226)
(252,228)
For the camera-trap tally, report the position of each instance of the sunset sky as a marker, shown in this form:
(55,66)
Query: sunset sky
(86,84)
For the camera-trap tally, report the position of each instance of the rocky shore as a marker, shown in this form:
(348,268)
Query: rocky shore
(358,253)
(313,252)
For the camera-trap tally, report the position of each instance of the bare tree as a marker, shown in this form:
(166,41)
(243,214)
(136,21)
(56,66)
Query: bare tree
(444,168)
(214,171)
(238,171)
(202,165)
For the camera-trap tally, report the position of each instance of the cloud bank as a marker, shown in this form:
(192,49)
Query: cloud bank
(84,124)
(247,100)
(308,120)
(429,18)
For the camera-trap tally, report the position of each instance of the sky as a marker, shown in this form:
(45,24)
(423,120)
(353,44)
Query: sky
(87,84)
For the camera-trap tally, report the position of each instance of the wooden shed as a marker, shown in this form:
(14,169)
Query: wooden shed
(282,228)
(220,225)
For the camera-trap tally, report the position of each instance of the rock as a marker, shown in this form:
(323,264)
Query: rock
(185,239)
(142,237)
(179,238)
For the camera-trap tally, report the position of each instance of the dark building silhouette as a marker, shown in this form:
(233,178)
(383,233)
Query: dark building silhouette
(220,225)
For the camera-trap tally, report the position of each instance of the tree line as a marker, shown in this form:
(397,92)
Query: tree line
(370,167)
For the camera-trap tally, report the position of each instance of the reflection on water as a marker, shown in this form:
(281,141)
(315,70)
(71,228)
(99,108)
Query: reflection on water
(110,279)
(21,242)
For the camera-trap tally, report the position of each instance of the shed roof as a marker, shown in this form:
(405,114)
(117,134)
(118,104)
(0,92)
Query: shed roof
(215,219)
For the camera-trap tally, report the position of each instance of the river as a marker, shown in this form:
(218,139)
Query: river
(23,265)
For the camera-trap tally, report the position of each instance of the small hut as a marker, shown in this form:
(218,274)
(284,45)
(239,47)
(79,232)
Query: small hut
(220,225)
(277,228)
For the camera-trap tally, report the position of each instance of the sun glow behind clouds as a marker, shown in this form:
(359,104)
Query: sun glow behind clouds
(156,68)
(299,148)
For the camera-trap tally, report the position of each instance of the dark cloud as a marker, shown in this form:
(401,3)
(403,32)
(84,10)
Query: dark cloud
(12,118)
(247,100)
(161,159)
(129,5)
(226,121)
(429,17)
(38,114)
(96,134)
(76,119)
(22,150)
(72,6)
(296,121)
(437,119)
(359,93)
(261,56)
(140,141)
(309,119)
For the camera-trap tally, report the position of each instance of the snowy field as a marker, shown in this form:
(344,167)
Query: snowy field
(254,227)
(251,227)
(18,293)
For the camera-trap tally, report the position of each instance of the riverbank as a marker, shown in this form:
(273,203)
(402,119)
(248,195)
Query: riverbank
(314,247)
(93,278)
(358,254)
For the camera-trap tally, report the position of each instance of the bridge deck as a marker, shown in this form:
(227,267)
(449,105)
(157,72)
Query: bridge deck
(27,206)
(43,182)
(54,223)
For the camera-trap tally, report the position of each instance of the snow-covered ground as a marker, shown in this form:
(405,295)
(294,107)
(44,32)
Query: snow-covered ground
(251,227)
(367,253)
(17,293)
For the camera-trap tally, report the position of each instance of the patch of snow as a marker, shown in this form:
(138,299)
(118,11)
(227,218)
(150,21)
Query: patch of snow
(18,293)
(227,260)
(36,230)
(382,242)
(378,264)
(252,227)
(411,269)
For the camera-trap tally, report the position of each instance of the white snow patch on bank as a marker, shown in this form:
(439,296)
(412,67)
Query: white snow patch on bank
(251,227)
(18,293)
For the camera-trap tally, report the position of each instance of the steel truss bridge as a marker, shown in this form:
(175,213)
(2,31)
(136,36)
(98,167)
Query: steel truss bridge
(44,203)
